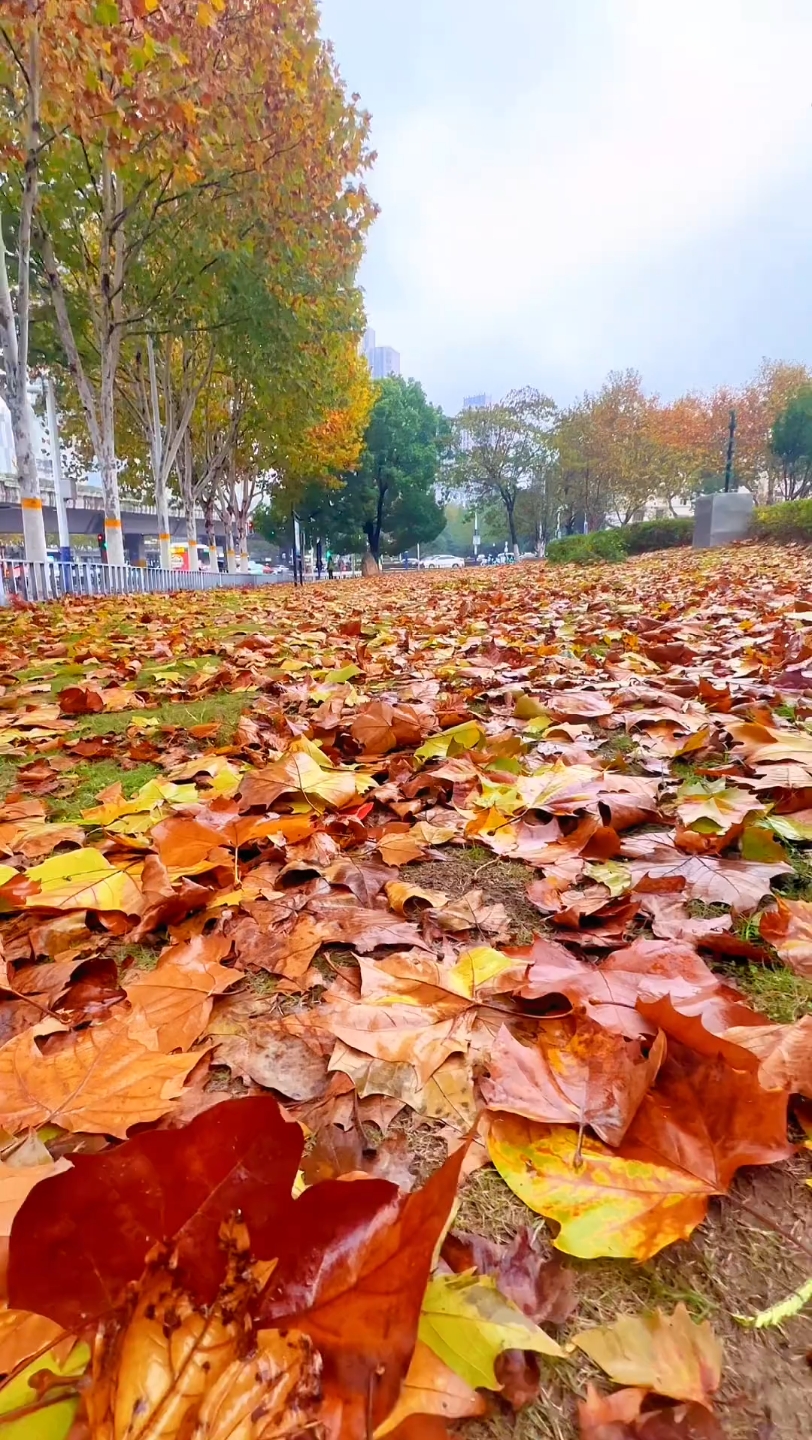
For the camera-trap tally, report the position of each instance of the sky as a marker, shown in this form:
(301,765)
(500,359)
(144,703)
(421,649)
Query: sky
(573,186)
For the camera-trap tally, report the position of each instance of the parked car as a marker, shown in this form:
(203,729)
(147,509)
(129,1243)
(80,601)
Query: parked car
(442,562)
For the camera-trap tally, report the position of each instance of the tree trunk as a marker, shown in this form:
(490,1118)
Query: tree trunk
(369,565)
(211,534)
(100,421)
(512,526)
(111,277)
(14,331)
(231,555)
(242,536)
(152,418)
(22,424)
(191,532)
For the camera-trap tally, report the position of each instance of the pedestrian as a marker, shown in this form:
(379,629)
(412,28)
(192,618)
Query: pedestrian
(329,564)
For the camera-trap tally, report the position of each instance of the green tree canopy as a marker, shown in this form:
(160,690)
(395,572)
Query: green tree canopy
(390,499)
(791,444)
(500,449)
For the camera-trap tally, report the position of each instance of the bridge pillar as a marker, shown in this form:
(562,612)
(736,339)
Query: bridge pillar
(134,547)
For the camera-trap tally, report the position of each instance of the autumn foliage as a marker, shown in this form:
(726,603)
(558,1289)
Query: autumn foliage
(242,980)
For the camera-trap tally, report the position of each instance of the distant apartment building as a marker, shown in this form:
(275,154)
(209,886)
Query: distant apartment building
(472,402)
(8,462)
(382,359)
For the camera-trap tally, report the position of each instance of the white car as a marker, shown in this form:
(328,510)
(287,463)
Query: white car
(442,562)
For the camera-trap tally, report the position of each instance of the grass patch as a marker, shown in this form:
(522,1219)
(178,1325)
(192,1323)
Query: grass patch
(226,706)
(143,957)
(617,745)
(9,765)
(798,885)
(778,993)
(96,775)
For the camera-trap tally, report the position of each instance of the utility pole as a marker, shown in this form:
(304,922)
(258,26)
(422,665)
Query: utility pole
(731,443)
(56,466)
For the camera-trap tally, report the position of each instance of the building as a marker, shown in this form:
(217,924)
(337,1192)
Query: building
(8,462)
(382,359)
(472,402)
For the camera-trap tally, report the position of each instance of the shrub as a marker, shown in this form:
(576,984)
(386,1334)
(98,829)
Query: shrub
(600,547)
(604,546)
(658,534)
(790,521)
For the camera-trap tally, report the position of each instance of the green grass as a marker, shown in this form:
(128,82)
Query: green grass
(777,992)
(617,744)
(9,765)
(225,706)
(798,885)
(96,775)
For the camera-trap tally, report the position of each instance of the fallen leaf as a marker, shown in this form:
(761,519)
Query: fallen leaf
(467,1323)
(541,1286)
(669,1354)
(101,1080)
(604,1203)
(785,1053)
(577,1073)
(82,880)
(430,1388)
(788,928)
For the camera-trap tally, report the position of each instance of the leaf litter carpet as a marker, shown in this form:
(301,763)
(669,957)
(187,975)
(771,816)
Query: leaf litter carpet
(405,1023)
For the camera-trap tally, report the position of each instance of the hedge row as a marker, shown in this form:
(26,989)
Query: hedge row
(790,521)
(604,546)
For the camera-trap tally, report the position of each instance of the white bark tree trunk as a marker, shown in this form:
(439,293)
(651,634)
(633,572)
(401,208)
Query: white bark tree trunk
(231,554)
(99,408)
(187,487)
(152,418)
(14,329)
(242,536)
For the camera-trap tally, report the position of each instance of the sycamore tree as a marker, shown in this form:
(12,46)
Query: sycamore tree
(151,116)
(792,445)
(501,449)
(389,502)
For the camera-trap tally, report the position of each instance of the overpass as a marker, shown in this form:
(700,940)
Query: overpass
(85,511)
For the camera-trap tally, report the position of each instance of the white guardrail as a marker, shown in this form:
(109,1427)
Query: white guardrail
(30,580)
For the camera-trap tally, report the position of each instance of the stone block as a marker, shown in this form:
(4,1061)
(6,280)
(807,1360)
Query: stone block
(721,519)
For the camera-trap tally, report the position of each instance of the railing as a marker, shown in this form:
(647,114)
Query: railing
(30,580)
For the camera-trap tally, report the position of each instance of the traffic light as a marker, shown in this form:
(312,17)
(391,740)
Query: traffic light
(101,540)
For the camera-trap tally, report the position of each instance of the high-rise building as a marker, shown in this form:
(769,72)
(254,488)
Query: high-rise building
(382,359)
(476,402)
(385,361)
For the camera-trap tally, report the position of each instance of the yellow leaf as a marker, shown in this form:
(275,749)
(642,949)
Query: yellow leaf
(459,737)
(468,1323)
(205,15)
(50,1422)
(605,1205)
(150,797)
(669,1354)
(83,880)
(431,1388)
(476,966)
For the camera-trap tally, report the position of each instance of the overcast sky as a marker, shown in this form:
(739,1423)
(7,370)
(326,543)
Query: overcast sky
(572,186)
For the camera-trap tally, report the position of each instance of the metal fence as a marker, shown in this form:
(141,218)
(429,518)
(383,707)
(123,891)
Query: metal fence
(53,579)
